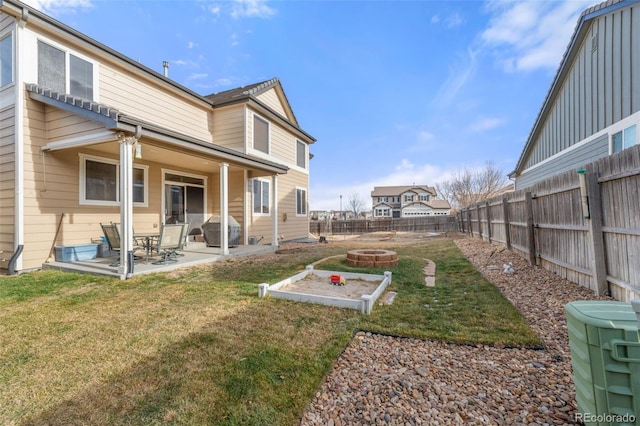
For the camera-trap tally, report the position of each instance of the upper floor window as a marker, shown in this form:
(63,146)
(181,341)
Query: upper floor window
(53,64)
(383,199)
(408,198)
(395,200)
(100,182)
(260,196)
(260,134)
(301,154)
(424,197)
(6,60)
(624,139)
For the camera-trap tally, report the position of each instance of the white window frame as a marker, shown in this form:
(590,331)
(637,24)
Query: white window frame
(624,144)
(253,136)
(3,37)
(303,213)
(83,189)
(408,198)
(424,197)
(261,191)
(299,144)
(67,64)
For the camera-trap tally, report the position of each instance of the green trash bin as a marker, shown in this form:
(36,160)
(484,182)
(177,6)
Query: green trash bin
(605,356)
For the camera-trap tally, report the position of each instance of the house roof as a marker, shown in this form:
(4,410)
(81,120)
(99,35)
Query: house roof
(250,93)
(392,191)
(580,32)
(28,14)
(115,121)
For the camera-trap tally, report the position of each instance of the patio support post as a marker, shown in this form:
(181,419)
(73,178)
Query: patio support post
(274,203)
(126,205)
(224,209)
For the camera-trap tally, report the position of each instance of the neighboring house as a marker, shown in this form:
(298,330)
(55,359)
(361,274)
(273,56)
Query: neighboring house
(96,136)
(592,108)
(407,201)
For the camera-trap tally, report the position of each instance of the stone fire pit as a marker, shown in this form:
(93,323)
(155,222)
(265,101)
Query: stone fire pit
(371,258)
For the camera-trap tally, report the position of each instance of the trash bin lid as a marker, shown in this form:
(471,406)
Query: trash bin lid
(604,314)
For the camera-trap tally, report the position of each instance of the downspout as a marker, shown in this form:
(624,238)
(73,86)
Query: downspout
(16,261)
(13,260)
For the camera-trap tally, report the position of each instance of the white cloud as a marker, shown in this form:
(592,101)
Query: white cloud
(486,123)
(532,34)
(58,5)
(198,76)
(191,45)
(425,136)
(252,9)
(459,74)
(435,19)
(215,9)
(453,20)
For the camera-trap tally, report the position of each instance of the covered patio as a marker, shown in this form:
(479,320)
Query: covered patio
(197,254)
(143,176)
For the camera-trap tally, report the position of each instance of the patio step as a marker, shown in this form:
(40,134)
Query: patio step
(196,245)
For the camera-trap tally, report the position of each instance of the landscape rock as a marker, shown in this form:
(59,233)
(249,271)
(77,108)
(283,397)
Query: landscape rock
(402,381)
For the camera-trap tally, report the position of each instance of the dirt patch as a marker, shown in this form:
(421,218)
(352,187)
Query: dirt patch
(313,284)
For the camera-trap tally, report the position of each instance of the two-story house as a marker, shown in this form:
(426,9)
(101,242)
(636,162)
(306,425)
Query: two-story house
(407,201)
(88,135)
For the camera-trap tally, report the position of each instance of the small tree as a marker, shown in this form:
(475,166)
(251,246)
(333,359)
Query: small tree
(468,187)
(355,204)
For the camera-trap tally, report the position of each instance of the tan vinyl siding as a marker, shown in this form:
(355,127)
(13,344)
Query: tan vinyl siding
(228,127)
(282,144)
(295,226)
(272,100)
(150,102)
(64,125)
(236,198)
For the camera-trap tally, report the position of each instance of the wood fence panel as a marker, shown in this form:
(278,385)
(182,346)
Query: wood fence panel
(566,242)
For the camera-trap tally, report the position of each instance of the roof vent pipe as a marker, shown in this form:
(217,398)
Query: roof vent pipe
(165,65)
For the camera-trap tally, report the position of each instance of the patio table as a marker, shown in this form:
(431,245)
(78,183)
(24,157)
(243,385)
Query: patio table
(148,238)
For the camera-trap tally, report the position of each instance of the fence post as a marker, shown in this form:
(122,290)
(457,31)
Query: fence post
(531,237)
(600,284)
(488,221)
(469,222)
(479,221)
(507,227)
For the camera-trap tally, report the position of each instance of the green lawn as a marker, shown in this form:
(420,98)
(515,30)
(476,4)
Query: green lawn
(199,347)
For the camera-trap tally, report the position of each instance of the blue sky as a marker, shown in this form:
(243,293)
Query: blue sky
(395,92)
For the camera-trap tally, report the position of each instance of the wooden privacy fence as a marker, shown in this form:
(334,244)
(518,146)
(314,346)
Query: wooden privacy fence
(421,224)
(585,226)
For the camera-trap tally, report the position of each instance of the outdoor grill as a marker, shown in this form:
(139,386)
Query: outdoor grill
(211,231)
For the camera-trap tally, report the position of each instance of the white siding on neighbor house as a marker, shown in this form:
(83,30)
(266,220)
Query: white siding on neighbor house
(600,87)
(272,100)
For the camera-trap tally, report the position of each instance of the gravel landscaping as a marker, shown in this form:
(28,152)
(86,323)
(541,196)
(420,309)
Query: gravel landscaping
(389,380)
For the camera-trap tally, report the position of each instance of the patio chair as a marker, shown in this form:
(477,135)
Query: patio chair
(112,235)
(169,242)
